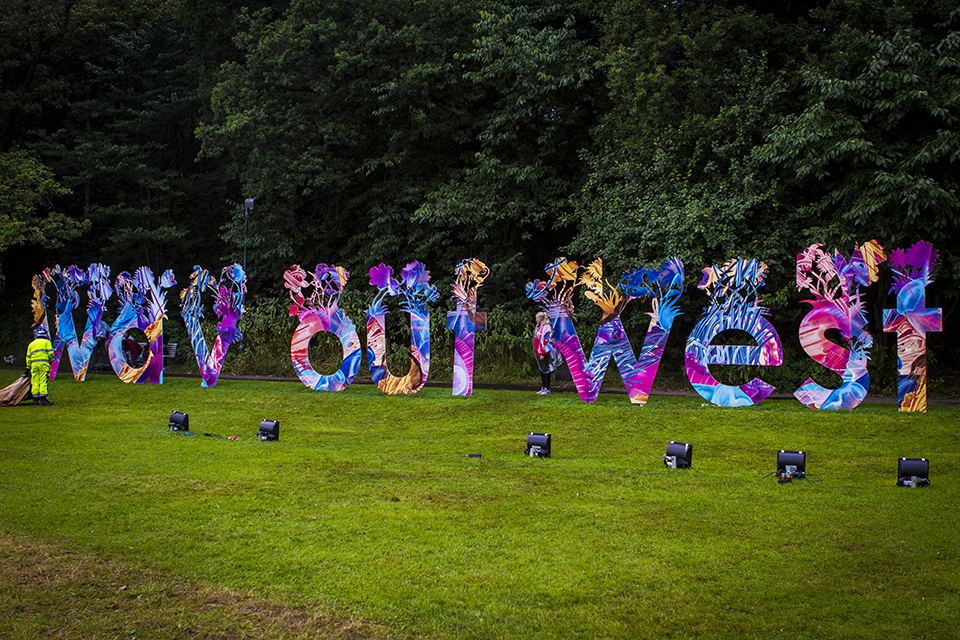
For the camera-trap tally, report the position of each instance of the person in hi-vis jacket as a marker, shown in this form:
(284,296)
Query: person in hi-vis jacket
(38,361)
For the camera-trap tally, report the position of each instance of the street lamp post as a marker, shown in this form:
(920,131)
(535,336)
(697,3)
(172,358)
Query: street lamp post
(247,208)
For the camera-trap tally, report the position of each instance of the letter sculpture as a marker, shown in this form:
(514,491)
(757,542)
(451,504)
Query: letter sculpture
(465,322)
(38,307)
(97,276)
(143,306)
(417,292)
(555,296)
(320,311)
(911,321)
(228,306)
(837,304)
(734,304)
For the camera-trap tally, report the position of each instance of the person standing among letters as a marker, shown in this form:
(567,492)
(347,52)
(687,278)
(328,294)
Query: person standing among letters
(544,347)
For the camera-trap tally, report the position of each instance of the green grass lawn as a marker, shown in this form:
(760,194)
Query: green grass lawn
(368,509)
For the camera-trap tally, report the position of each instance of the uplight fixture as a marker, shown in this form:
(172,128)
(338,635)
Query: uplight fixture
(538,445)
(790,465)
(679,455)
(179,421)
(269,430)
(913,472)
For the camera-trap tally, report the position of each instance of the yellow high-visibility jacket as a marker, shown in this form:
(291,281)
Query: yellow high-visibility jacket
(39,351)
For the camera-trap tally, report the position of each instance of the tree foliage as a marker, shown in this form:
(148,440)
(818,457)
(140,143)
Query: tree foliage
(27,215)
(874,151)
(404,129)
(107,96)
(534,68)
(693,90)
(335,119)
(511,131)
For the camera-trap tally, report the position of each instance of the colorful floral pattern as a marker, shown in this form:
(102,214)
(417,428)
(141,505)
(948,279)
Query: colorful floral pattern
(555,296)
(143,306)
(38,307)
(835,282)
(320,311)
(97,279)
(911,321)
(228,293)
(664,287)
(417,292)
(465,322)
(734,304)
(838,304)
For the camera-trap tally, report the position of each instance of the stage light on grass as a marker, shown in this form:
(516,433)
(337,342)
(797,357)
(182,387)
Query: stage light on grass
(269,430)
(179,421)
(913,472)
(790,465)
(538,445)
(679,455)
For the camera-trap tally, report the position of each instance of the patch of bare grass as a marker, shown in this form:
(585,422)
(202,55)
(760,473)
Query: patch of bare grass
(53,592)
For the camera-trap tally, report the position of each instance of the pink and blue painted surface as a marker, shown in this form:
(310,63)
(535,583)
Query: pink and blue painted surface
(837,286)
(79,350)
(911,321)
(734,304)
(417,291)
(143,306)
(38,306)
(835,283)
(316,302)
(555,296)
(465,322)
(228,294)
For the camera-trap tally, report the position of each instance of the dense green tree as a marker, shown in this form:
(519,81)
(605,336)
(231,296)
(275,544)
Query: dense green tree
(338,120)
(510,131)
(694,87)
(35,79)
(127,145)
(403,130)
(107,95)
(873,150)
(541,91)
(30,34)
(27,216)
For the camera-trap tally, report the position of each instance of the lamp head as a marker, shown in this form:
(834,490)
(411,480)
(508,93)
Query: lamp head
(538,445)
(269,430)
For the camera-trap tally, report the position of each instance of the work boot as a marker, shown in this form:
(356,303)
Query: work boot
(44,401)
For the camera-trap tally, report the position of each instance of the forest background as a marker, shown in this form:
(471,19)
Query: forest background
(513,132)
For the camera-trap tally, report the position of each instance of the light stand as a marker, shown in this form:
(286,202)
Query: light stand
(179,421)
(538,445)
(790,465)
(913,472)
(248,205)
(679,455)
(269,430)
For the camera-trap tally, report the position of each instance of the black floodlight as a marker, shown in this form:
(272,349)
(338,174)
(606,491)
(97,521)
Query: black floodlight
(679,455)
(269,430)
(179,421)
(538,445)
(913,472)
(790,465)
